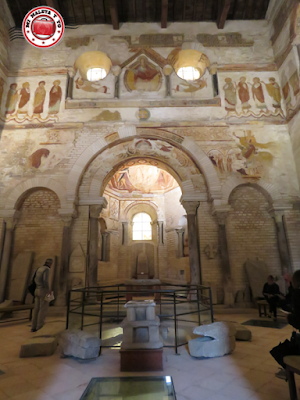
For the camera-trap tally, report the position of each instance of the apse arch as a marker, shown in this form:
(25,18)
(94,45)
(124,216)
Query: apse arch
(129,133)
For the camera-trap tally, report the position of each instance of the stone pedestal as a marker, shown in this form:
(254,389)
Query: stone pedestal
(141,348)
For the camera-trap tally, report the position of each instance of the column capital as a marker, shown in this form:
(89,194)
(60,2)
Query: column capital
(180,230)
(95,209)
(11,219)
(67,215)
(66,219)
(221,212)
(71,72)
(190,206)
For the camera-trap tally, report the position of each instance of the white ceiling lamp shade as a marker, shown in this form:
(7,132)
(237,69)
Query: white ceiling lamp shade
(93,65)
(190,64)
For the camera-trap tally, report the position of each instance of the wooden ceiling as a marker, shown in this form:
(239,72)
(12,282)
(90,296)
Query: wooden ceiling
(80,12)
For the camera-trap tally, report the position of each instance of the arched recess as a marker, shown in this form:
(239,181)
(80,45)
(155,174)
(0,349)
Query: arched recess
(269,190)
(129,133)
(12,199)
(251,232)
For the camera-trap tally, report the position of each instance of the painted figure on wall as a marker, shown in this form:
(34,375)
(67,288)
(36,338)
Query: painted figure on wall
(36,158)
(274,91)
(55,98)
(24,98)
(243,91)
(230,95)
(12,99)
(292,74)
(143,76)
(90,87)
(39,98)
(216,158)
(190,87)
(258,94)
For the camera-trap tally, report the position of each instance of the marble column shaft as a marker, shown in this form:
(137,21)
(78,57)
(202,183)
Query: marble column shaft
(194,255)
(223,246)
(65,250)
(95,210)
(283,247)
(10,226)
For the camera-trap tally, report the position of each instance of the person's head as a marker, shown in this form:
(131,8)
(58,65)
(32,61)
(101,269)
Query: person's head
(296,279)
(270,279)
(243,79)
(287,277)
(25,85)
(42,84)
(256,80)
(228,80)
(56,83)
(48,262)
(13,86)
(272,80)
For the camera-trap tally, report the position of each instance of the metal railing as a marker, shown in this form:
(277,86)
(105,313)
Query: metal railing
(173,302)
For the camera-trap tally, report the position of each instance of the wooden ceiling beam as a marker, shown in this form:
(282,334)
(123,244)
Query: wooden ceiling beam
(52,4)
(224,6)
(114,14)
(164,13)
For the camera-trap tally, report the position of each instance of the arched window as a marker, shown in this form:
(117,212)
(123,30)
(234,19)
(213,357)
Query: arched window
(142,229)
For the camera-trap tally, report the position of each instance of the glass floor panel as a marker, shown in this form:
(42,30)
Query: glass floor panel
(130,388)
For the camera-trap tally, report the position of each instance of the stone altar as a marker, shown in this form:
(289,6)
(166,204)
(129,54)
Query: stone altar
(141,348)
(136,284)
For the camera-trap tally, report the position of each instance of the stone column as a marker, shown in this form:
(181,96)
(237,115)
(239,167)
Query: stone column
(283,247)
(160,232)
(104,246)
(10,223)
(70,83)
(180,233)
(223,246)
(95,210)
(194,255)
(125,233)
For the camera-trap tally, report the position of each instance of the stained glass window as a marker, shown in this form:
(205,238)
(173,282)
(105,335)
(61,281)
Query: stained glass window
(142,229)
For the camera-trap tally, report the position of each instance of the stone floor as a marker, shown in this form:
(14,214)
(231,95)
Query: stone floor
(246,374)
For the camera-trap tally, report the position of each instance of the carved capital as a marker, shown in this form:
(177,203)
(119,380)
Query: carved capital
(11,220)
(190,207)
(71,72)
(67,219)
(221,217)
(277,214)
(96,209)
(180,230)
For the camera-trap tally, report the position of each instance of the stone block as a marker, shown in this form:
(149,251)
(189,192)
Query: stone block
(38,347)
(243,333)
(80,344)
(216,330)
(209,347)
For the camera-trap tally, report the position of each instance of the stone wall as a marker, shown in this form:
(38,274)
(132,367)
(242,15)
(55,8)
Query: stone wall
(39,228)
(251,233)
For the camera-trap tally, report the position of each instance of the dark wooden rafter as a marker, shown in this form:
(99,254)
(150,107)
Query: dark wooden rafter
(224,6)
(114,14)
(52,4)
(164,13)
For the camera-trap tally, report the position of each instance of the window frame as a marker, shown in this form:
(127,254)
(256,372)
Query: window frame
(142,231)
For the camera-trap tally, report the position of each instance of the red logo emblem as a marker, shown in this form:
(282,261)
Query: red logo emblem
(43,27)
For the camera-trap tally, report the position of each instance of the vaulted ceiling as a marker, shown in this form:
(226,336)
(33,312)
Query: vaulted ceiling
(80,12)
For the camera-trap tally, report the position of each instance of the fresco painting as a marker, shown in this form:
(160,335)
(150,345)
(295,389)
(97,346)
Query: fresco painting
(34,99)
(143,76)
(256,96)
(290,84)
(249,158)
(83,89)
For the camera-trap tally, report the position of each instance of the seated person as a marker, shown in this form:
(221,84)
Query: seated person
(272,294)
(288,347)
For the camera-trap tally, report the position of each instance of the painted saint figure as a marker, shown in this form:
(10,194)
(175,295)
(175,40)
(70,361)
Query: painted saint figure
(258,94)
(243,92)
(230,95)
(24,98)
(274,91)
(55,98)
(12,99)
(39,98)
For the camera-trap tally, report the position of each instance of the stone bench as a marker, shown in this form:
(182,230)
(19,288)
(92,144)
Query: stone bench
(292,367)
(39,347)
(10,309)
